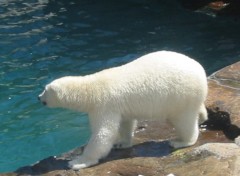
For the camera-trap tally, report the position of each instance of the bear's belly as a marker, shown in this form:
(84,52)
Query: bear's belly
(145,113)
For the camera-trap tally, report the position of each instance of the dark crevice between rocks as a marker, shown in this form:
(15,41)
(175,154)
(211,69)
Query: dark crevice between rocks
(220,120)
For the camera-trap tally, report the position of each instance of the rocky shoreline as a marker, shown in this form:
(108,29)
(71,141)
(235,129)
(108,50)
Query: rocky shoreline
(214,154)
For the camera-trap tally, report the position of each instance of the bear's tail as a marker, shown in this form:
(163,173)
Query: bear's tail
(203,115)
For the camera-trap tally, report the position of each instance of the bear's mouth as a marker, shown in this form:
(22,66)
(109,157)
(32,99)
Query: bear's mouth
(43,102)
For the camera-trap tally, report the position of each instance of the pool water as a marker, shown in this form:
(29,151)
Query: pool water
(42,40)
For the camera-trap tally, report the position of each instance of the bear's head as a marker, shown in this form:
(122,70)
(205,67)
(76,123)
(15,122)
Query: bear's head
(71,92)
(51,96)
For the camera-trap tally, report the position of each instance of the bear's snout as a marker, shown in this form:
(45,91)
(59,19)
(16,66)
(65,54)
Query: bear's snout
(42,101)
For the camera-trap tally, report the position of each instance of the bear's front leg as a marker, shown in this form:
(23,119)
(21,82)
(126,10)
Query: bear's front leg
(104,135)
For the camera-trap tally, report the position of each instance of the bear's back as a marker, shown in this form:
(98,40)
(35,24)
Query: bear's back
(160,70)
(161,79)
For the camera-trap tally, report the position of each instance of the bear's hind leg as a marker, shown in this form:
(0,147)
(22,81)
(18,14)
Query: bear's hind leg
(186,126)
(203,115)
(126,133)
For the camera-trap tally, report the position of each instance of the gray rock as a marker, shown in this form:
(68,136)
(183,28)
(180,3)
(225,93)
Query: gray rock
(219,150)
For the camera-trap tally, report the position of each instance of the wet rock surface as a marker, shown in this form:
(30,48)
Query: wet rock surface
(214,7)
(215,153)
(224,101)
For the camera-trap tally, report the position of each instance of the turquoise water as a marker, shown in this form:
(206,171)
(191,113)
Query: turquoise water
(41,40)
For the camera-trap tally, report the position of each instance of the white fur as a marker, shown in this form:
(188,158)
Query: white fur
(161,86)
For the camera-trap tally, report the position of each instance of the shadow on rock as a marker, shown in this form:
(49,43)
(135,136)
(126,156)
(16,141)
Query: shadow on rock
(220,120)
(145,149)
(44,166)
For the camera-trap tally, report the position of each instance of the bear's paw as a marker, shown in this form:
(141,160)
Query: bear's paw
(81,162)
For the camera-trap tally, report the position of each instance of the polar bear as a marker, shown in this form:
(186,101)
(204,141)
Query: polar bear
(162,85)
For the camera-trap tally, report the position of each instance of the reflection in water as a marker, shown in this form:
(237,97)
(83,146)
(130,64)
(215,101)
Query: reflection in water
(45,39)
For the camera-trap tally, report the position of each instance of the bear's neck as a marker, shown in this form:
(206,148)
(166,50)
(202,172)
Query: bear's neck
(84,95)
